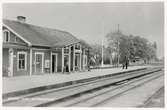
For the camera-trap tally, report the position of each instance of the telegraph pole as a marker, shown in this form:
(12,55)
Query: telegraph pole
(118,47)
(102,64)
(118,53)
(102,61)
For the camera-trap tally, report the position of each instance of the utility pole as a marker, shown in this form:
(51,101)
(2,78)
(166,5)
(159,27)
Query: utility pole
(102,61)
(118,52)
(118,47)
(102,64)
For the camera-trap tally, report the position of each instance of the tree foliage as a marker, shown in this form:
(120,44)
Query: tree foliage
(119,46)
(131,46)
(96,54)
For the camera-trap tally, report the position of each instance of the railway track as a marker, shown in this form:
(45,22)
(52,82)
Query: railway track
(47,98)
(103,96)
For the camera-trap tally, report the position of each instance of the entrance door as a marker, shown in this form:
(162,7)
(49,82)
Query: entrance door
(39,62)
(66,63)
(77,61)
(54,63)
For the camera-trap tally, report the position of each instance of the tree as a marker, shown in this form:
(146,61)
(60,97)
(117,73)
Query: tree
(155,45)
(131,47)
(96,53)
(140,45)
(119,45)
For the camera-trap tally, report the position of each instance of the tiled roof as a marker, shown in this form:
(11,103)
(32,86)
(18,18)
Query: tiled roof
(40,36)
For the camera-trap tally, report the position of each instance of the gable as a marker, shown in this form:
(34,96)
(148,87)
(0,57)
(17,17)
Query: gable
(14,38)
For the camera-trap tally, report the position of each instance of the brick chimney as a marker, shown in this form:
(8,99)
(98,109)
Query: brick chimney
(21,19)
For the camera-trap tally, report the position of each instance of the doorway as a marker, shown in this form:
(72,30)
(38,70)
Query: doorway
(54,62)
(77,61)
(39,57)
(66,63)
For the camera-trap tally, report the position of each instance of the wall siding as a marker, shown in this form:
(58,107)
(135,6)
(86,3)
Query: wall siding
(5,61)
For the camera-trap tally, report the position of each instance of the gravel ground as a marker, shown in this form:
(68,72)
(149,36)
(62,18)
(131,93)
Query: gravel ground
(139,96)
(157,100)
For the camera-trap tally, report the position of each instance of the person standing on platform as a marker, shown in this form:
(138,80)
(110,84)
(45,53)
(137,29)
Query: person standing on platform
(126,63)
(123,62)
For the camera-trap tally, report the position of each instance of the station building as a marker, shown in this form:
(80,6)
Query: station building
(31,50)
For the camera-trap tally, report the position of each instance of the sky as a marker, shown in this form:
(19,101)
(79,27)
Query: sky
(92,21)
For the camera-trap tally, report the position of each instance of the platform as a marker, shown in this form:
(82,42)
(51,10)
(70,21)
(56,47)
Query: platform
(24,84)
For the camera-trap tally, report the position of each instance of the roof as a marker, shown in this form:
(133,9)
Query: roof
(41,36)
(85,44)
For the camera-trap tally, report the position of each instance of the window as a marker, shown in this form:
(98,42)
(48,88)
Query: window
(22,60)
(66,49)
(6,36)
(15,39)
(77,46)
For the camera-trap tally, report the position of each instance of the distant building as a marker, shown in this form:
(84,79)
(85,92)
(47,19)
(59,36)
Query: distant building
(30,49)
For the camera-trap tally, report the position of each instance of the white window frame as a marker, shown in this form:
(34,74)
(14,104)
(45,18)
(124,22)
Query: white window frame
(15,39)
(4,37)
(25,54)
(78,45)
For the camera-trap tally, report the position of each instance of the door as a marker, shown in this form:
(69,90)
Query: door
(77,61)
(66,63)
(54,63)
(39,62)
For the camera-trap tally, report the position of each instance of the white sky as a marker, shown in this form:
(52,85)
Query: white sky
(92,21)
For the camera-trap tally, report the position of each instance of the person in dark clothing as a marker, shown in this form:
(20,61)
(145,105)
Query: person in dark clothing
(88,65)
(66,67)
(125,63)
